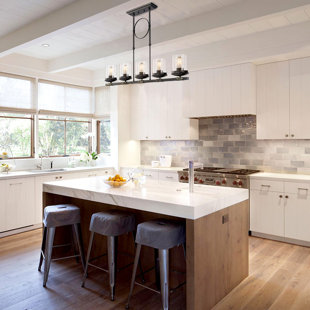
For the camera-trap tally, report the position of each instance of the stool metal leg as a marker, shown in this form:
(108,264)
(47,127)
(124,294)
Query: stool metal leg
(134,271)
(164,277)
(90,244)
(140,265)
(112,263)
(78,234)
(157,272)
(42,248)
(48,252)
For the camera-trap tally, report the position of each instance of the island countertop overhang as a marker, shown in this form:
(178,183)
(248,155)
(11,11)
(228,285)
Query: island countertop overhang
(166,198)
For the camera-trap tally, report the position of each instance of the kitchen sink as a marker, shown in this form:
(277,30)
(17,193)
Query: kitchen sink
(49,170)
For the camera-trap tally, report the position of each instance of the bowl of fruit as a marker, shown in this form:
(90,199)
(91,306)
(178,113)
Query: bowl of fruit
(116,181)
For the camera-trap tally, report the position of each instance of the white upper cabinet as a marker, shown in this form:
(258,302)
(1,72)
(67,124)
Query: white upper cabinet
(273,101)
(156,112)
(283,100)
(299,98)
(222,91)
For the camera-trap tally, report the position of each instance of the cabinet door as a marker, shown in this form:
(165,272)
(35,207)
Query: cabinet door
(297,215)
(267,212)
(20,203)
(243,89)
(273,100)
(222,95)
(2,204)
(139,113)
(156,110)
(299,98)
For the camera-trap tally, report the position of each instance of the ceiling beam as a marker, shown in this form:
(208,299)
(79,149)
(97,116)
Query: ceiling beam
(72,14)
(237,13)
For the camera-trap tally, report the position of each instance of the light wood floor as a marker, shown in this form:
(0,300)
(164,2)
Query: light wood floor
(279,279)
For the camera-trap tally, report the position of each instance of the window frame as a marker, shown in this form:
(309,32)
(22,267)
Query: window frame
(98,135)
(65,120)
(32,133)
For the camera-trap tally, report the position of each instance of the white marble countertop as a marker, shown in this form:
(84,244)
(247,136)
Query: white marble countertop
(147,167)
(33,173)
(167,198)
(281,176)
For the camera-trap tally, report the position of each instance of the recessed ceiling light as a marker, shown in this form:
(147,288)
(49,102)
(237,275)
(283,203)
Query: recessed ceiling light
(45,45)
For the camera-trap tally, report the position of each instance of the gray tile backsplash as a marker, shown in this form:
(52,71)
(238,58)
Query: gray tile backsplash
(231,142)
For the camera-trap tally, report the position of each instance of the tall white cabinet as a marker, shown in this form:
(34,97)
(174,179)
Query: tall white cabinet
(273,101)
(283,100)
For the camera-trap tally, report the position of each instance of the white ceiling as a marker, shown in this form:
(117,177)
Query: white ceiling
(242,29)
(118,25)
(17,13)
(90,34)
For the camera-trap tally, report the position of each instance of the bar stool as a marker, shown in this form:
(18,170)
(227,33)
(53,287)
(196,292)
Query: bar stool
(160,234)
(111,224)
(56,216)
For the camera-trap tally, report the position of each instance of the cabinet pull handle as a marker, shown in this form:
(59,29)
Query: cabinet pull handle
(280,196)
(56,178)
(16,184)
(286,135)
(60,177)
(167,177)
(286,196)
(148,175)
(302,189)
(265,185)
(292,135)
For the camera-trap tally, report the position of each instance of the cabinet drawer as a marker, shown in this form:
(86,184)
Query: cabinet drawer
(168,176)
(267,185)
(299,188)
(151,174)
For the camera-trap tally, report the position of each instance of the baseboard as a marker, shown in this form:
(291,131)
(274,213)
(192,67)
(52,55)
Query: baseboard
(19,230)
(281,239)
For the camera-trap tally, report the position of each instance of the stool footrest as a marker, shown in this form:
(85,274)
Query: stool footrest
(147,287)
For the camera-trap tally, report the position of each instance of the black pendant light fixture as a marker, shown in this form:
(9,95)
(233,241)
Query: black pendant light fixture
(142,71)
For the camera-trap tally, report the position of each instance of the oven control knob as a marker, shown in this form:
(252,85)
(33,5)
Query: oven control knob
(195,179)
(240,183)
(186,178)
(182,178)
(201,181)
(218,183)
(224,181)
(235,182)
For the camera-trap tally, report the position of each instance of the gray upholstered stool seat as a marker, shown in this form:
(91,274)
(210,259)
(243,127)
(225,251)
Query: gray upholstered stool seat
(61,215)
(160,234)
(112,223)
(56,216)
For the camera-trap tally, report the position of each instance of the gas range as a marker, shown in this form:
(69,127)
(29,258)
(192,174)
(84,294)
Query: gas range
(219,176)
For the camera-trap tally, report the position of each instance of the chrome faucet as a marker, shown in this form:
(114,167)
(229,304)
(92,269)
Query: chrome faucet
(40,166)
(191,166)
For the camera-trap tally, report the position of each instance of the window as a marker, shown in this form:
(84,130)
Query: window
(61,136)
(104,136)
(16,137)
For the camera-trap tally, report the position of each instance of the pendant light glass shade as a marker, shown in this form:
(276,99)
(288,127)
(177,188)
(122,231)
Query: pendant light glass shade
(141,70)
(179,65)
(125,72)
(159,68)
(110,73)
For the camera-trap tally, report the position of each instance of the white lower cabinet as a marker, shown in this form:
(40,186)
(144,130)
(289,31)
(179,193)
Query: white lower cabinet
(21,198)
(297,216)
(267,212)
(281,209)
(17,203)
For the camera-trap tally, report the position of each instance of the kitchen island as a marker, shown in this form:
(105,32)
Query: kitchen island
(217,224)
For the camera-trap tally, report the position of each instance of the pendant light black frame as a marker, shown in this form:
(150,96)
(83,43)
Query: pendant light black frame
(147,8)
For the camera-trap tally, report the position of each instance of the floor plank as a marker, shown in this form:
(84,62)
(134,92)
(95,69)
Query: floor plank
(278,280)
